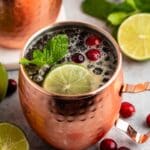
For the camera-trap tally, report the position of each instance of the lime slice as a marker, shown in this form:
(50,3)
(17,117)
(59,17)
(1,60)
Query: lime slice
(3,81)
(12,138)
(134,36)
(69,79)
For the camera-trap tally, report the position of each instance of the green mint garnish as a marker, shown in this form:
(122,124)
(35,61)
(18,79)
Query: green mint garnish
(55,50)
(132,3)
(102,8)
(112,12)
(143,5)
(117,17)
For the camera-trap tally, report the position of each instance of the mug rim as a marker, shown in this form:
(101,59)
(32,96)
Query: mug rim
(77,96)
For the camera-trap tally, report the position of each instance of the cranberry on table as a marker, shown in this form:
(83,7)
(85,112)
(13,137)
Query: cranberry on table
(12,87)
(123,148)
(148,120)
(93,54)
(93,40)
(127,109)
(108,144)
(77,58)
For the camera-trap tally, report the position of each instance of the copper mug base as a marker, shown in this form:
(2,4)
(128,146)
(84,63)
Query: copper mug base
(19,19)
(72,122)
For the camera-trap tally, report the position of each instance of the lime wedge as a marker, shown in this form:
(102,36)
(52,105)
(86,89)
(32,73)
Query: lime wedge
(3,81)
(134,37)
(12,138)
(69,79)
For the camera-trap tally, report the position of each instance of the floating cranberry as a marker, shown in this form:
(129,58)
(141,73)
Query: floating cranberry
(123,148)
(148,120)
(127,110)
(77,58)
(93,54)
(12,87)
(93,40)
(108,144)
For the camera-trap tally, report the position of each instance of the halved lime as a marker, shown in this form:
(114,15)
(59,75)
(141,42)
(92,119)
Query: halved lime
(3,81)
(12,138)
(69,79)
(134,36)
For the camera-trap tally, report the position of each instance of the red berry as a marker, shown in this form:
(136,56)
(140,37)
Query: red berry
(93,54)
(12,87)
(127,110)
(93,40)
(123,148)
(148,120)
(108,144)
(77,58)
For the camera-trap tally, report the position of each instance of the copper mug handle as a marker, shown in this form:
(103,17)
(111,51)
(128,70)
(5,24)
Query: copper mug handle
(126,127)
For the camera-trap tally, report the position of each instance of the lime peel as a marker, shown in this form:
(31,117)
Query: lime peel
(3,81)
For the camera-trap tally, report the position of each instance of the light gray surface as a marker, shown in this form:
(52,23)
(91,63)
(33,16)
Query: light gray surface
(134,72)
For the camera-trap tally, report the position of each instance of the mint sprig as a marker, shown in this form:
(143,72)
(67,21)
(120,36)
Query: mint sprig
(55,50)
(102,8)
(114,13)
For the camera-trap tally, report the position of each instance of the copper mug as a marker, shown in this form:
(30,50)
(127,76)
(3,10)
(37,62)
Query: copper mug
(77,122)
(19,19)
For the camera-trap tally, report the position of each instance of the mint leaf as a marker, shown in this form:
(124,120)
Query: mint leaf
(132,3)
(39,58)
(24,61)
(117,17)
(54,51)
(57,48)
(102,8)
(124,6)
(98,8)
(143,5)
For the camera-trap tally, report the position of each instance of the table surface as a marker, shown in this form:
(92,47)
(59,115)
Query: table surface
(134,72)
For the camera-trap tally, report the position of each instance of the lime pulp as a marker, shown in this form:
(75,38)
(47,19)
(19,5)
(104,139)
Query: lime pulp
(69,79)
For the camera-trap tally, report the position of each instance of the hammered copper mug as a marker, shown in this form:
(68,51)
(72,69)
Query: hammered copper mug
(19,19)
(76,122)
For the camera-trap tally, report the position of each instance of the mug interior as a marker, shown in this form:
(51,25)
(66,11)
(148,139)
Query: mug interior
(40,38)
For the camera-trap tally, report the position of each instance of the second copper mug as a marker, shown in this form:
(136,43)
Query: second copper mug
(77,122)
(19,19)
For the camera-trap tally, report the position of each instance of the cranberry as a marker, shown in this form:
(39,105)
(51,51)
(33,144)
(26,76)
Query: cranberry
(93,54)
(12,87)
(148,120)
(123,148)
(93,40)
(127,110)
(77,58)
(108,144)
